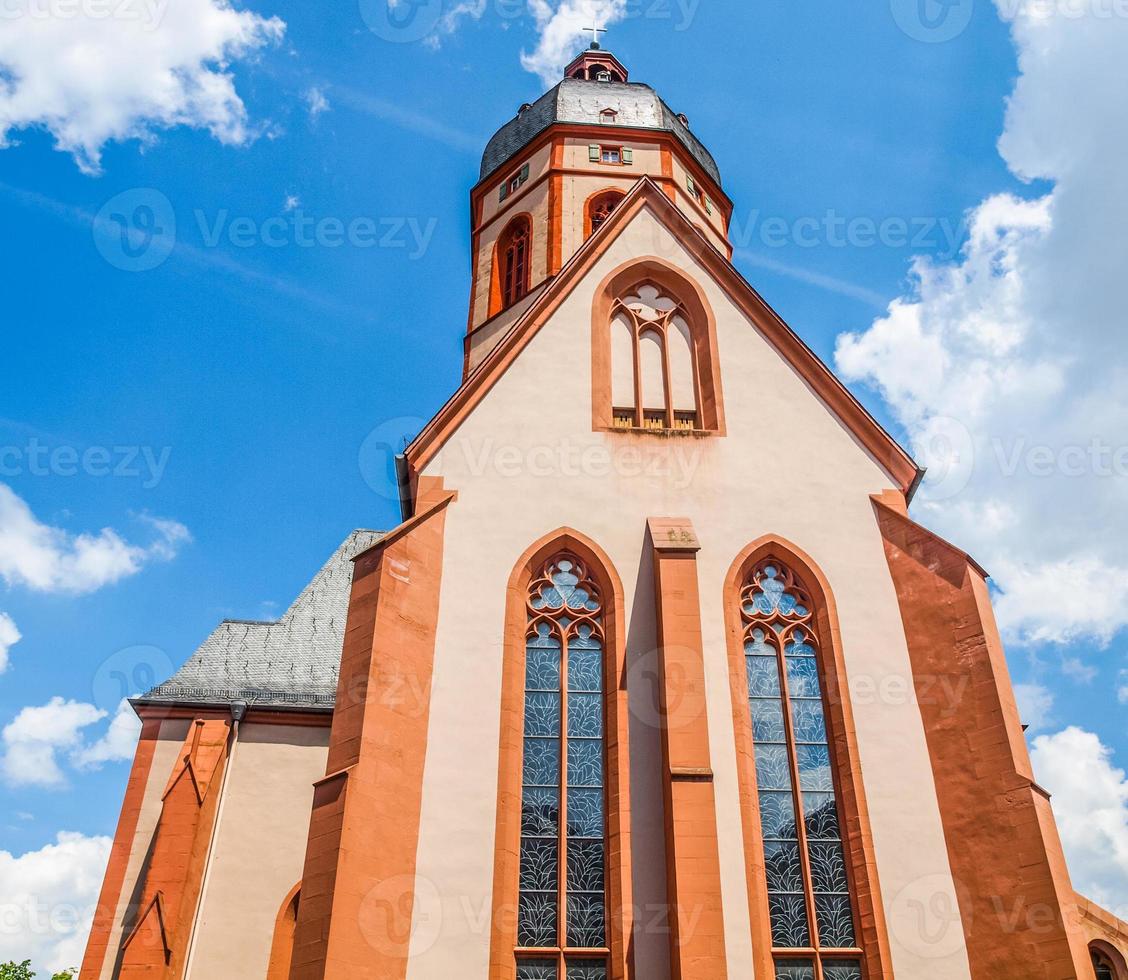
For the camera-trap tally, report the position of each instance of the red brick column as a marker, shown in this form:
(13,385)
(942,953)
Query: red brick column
(358,888)
(158,944)
(105,914)
(1015,899)
(693,872)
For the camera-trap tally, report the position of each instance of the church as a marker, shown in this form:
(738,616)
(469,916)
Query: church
(657,679)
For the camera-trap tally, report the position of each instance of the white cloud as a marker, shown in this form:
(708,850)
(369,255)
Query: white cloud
(117,745)
(49,559)
(452,19)
(47,900)
(1122,691)
(1090,800)
(9,637)
(561,26)
(33,741)
(151,65)
(1008,368)
(1035,704)
(35,745)
(316,102)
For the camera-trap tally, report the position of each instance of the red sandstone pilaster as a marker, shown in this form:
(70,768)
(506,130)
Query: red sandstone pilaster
(693,872)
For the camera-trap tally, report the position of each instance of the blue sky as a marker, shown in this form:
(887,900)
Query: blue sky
(233,386)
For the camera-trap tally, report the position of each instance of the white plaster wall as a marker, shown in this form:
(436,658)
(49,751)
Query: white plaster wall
(259,850)
(787,467)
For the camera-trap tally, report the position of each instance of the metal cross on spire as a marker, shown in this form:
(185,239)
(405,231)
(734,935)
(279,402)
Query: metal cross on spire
(595,32)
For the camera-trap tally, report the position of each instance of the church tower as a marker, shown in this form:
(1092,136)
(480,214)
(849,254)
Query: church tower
(554,173)
(656,680)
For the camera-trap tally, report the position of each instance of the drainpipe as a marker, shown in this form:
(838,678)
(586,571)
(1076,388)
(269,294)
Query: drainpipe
(403,485)
(238,712)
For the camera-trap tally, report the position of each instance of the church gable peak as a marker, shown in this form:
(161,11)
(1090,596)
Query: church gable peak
(673,230)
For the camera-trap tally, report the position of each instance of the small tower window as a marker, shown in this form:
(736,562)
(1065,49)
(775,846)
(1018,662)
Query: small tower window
(513,256)
(608,117)
(600,208)
(514,182)
(613,155)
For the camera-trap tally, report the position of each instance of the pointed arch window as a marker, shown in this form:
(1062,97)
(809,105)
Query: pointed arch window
(654,381)
(810,893)
(1108,963)
(513,261)
(599,209)
(562,927)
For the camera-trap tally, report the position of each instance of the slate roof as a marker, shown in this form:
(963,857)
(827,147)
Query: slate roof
(288,664)
(575,100)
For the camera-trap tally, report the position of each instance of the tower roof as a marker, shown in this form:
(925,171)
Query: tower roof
(584,102)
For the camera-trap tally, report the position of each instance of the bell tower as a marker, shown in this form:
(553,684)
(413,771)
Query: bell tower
(553,174)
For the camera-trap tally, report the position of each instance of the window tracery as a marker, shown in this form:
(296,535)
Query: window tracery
(562,905)
(653,362)
(513,260)
(813,924)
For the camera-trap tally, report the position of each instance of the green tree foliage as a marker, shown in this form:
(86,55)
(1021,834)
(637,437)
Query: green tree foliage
(23,971)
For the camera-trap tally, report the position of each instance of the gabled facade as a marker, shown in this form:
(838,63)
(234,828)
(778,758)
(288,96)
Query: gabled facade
(657,679)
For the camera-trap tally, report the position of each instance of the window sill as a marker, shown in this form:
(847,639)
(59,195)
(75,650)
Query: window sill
(634,430)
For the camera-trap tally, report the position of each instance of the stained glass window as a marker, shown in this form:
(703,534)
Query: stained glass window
(562,904)
(808,882)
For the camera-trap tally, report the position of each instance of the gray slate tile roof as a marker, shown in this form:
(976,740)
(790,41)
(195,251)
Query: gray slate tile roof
(291,663)
(577,101)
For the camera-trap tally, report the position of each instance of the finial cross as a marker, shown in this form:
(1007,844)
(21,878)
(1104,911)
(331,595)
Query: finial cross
(595,32)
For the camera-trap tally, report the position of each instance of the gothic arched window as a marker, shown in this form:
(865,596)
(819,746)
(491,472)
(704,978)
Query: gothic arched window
(653,362)
(513,253)
(562,928)
(599,209)
(1103,966)
(810,896)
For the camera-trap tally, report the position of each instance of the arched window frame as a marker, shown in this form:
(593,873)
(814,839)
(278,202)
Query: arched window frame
(503,947)
(282,945)
(698,316)
(1103,953)
(594,204)
(504,293)
(857,840)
